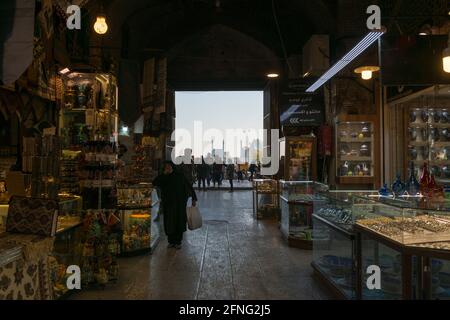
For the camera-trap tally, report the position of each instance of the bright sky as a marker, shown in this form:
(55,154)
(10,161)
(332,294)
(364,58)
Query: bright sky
(220,110)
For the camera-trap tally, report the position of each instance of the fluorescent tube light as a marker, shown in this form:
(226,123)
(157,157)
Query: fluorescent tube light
(362,46)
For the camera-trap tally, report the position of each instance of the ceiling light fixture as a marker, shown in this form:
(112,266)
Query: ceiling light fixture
(349,57)
(64,71)
(273,75)
(367,71)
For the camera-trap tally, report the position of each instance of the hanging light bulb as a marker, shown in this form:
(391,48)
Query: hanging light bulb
(367,71)
(100,25)
(446,60)
(446,57)
(366,75)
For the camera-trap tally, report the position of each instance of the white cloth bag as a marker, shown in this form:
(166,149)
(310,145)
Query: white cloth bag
(194,218)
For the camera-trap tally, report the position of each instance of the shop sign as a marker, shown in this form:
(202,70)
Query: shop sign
(299,108)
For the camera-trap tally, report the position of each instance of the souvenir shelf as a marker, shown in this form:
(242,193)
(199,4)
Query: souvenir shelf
(67,244)
(428,136)
(418,131)
(334,245)
(298,158)
(138,205)
(265,198)
(296,204)
(356,156)
(89,129)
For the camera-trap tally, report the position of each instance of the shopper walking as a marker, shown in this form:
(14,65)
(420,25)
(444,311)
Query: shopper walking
(217,174)
(252,170)
(188,171)
(230,175)
(240,175)
(175,192)
(202,174)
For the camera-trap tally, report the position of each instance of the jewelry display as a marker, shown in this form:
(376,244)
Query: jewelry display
(410,230)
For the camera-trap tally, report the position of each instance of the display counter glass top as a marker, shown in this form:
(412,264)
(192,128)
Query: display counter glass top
(408,220)
(135,196)
(301,191)
(343,207)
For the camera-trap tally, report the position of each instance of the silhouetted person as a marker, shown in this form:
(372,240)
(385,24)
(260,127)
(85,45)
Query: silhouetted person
(230,175)
(175,192)
(217,174)
(252,170)
(202,174)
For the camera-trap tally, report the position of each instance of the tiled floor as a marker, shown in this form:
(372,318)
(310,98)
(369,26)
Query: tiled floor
(232,257)
(243,185)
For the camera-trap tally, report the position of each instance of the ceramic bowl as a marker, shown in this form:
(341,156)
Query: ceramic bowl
(364,150)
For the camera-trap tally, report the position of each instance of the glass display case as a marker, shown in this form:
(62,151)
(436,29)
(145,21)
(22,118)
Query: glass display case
(434,261)
(3,215)
(69,214)
(89,108)
(298,158)
(334,245)
(405,237)
(88,127)
(355,151)
(296,204)
(428,133)
(139,205)
(397,279)
(419,126)
(265,198)
(409,220)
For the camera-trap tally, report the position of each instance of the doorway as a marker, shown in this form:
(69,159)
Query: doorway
(224,124)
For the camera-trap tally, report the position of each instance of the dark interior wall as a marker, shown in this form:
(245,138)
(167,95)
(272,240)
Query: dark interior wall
(7,10)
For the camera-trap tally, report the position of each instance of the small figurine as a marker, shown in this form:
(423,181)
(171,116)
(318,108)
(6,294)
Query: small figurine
(425,179)
(384,191)
(412,186)
(398,187)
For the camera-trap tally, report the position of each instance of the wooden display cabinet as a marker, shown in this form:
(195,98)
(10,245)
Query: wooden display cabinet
(298,158)
(357,151)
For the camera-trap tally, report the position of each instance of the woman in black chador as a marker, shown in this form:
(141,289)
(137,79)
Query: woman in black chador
(175,192)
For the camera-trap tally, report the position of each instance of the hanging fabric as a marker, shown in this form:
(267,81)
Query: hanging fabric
(16,38)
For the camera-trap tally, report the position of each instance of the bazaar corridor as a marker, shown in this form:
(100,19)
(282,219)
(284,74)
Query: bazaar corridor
(233,256)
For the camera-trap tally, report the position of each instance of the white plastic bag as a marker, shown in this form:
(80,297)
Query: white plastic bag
(194,218)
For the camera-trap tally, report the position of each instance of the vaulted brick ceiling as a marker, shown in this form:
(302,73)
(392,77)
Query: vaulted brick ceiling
(160,24)
(194,28)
